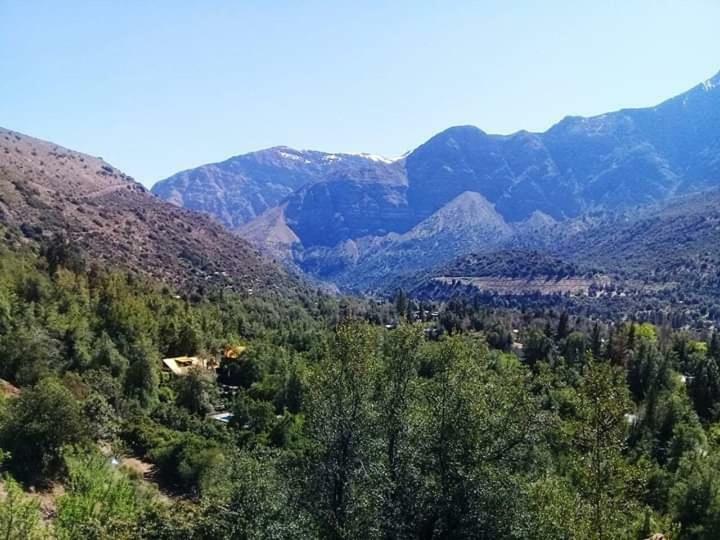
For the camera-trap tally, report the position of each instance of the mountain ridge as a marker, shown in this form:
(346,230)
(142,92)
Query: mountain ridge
(609,162)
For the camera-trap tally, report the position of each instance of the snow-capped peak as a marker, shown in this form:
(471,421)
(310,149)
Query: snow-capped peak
(712,83)
(375,157)
(372,157)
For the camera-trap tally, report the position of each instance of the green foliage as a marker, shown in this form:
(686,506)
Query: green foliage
(100,502)
(340,424)
(603,476)
(38,425)
(257,505)
(195,392)
(473,423)
(19,514)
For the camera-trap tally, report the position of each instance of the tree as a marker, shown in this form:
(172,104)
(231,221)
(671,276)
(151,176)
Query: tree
(563,328)
(596,341)
(575,349)
(401,303)
(142,379)
(538,348)
(341,422)
(59,251)
(252,414)
(695,496)
(604,478)
(714,346)
(257,505)
(106,357)
(476,433)
(39,424)
(29,352)
(397,392)
(195,391)
(704,385)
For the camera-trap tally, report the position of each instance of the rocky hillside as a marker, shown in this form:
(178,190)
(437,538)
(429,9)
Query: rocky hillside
(46,190)
(242,187)
(654,260)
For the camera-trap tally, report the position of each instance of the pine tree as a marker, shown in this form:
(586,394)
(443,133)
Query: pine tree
(563,328)
(596,341)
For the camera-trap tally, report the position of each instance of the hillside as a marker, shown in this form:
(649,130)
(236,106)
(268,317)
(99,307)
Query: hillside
(47,190)
(655,262)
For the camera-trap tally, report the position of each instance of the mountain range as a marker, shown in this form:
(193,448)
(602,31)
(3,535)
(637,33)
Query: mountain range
(360,220)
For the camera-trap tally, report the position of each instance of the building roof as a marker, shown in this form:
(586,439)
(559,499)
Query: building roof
(180,365)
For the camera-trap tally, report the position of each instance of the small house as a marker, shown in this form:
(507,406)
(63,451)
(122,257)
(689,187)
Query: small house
(181,365)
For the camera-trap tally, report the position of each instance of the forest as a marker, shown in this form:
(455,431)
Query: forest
(346,418)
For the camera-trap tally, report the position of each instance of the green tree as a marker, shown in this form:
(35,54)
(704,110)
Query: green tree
(477,432)
(704,385)
(39,424)
(537,348)
(256,506)
(396,398)
(604,477)
(341,425)
(142,379)
(196,391)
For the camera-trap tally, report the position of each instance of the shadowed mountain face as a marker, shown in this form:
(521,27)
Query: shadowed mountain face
(651,260)
(615,160)
(240,188)
(359,208)
(46,189)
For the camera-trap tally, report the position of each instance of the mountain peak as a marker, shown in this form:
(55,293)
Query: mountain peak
(712,83)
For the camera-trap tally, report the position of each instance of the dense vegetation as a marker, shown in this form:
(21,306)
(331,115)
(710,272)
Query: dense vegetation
(350,419)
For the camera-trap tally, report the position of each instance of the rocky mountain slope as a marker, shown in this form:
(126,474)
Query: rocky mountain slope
(242,187)
(363,225)
(46,190)
(656,259)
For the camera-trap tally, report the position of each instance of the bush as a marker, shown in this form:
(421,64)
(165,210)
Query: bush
(19,514)
(38,425)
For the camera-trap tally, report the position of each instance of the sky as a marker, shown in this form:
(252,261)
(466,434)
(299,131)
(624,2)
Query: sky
(159,86)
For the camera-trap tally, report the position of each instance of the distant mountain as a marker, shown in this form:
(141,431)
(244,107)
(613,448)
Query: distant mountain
(46,190)
(655,260)
(237,190)
(370,219)
(626,158)
(467,223)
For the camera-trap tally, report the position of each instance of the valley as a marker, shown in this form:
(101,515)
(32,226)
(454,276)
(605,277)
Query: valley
(507,334)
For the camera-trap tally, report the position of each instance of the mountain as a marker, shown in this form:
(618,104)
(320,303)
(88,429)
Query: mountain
(359,225)
(467,223)
(47,190)
(655,260)
(239,189)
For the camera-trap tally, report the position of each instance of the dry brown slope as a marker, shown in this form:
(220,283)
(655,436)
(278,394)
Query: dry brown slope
(45,189)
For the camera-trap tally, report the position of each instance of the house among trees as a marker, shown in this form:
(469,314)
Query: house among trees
(181,365)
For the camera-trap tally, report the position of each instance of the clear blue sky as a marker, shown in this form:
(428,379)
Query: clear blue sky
(157,86)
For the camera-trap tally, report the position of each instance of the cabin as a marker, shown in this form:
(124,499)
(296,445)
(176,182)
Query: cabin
(181,365)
